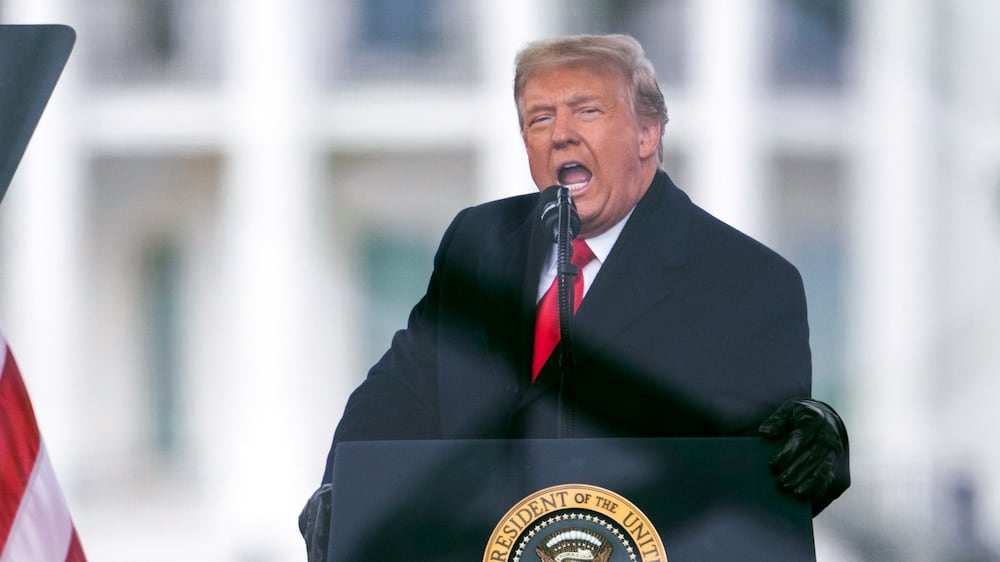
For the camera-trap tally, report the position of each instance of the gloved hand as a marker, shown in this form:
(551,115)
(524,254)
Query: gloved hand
(814,449)
(314,523)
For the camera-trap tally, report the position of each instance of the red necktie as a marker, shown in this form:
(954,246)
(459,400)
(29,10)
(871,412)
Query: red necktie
(547,323)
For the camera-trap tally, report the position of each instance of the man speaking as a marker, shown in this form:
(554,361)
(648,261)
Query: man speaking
(689,327)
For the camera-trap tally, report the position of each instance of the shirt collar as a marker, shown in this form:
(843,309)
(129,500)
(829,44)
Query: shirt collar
(602,243)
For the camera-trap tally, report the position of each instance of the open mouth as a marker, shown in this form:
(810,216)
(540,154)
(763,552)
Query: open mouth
(574,175)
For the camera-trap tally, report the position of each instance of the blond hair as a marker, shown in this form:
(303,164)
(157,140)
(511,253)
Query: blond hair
(621,53)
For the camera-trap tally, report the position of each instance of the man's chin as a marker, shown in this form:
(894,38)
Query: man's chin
(587,226)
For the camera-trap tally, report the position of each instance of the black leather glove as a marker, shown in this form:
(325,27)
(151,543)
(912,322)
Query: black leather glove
(314,523)
(814,453)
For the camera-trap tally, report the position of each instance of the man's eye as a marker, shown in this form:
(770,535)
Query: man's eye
(539,120)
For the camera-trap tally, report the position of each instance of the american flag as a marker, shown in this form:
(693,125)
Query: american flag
(35,525)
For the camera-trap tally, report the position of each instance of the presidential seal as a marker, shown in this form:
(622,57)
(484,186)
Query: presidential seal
(574,523)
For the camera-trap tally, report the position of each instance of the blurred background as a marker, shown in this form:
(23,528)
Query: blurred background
(229,207)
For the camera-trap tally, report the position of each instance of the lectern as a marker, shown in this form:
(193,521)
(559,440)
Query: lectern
(564,500)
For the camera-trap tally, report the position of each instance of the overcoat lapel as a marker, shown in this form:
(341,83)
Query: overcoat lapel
(641,271)
(506,268)
(515,270)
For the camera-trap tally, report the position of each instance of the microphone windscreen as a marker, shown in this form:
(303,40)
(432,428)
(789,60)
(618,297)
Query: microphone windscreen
(551,199)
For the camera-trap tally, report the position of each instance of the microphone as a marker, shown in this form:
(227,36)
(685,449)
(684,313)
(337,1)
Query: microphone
(560,198)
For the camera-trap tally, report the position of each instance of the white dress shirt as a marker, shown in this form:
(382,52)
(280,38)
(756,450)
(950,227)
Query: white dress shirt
(601,246)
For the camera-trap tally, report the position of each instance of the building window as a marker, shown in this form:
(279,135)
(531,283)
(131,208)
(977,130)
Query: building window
(400,26)
(396,265)
(149,254)
(161,272)
(809,43)
(146,41)
(401,40)
(809,217)
(659,25)
(159,19)
(386,213)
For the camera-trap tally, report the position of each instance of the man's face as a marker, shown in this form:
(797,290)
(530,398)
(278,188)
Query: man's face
(580,131)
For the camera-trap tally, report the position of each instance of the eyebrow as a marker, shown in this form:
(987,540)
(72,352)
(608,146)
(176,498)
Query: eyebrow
(573,101)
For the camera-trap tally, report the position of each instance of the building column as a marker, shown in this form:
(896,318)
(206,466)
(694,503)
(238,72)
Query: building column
(726,67)
(890,331)
(503,29)
(255,447)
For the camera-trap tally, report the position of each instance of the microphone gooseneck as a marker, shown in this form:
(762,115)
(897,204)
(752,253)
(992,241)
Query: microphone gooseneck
(561,219)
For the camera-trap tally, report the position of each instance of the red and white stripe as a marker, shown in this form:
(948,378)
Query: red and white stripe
(35,525)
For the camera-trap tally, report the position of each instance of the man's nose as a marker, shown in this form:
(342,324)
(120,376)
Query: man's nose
(563,131)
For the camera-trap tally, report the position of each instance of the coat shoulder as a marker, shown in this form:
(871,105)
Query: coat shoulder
(713,238)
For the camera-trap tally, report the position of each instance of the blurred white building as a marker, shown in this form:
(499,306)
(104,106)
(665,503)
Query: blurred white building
(229,206)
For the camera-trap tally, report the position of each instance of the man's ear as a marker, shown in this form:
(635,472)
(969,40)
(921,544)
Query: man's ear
(649,138)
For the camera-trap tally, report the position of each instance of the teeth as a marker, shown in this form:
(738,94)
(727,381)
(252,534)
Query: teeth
(575,186)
